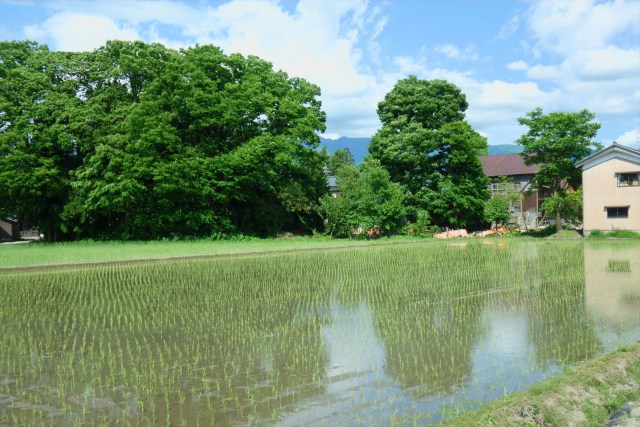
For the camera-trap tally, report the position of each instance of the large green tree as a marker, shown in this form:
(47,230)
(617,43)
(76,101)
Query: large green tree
(426,145)
(134,140)
(40,124)
(555,142)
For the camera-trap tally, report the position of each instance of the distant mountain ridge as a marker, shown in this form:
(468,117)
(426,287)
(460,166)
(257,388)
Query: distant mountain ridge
(359,147)
(504,149)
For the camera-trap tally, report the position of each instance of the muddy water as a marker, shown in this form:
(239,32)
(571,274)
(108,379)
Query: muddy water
(374,336)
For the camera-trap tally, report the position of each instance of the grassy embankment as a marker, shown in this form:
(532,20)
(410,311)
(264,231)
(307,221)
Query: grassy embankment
(82,252)
(585,395)
(106,251)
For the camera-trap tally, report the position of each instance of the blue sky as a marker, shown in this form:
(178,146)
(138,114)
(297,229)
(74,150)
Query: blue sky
(508,57)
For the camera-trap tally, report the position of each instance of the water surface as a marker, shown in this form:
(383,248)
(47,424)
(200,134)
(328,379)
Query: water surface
(370,336)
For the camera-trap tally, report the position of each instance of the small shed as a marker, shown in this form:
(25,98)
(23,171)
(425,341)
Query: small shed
(9,229)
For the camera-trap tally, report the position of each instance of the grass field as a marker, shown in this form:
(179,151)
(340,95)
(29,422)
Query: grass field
(382,334)
(37,253)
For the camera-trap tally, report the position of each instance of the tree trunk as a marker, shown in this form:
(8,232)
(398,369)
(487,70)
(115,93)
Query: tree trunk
(558,223)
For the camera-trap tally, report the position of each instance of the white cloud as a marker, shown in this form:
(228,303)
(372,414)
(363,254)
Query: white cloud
(598,55)
(331,135)
(80,32)
(469,53)
(175,13)
(544,72)
(509,28)
(630,138)
(610,63)
(499,94)
(329,58)
(564,26)
(518,66)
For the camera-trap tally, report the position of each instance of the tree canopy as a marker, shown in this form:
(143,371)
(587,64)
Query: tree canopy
(426,145)
(555,142)
(337,159)
(134,140)
(368,199)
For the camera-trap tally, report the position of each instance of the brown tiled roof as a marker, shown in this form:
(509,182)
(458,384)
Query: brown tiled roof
(506,165)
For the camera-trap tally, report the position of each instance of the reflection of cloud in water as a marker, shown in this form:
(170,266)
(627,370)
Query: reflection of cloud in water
(502,360)
(500,343)
(355,371)
(351,340)
(612,282)
(507,337)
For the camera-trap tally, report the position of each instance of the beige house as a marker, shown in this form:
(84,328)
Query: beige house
(611,189)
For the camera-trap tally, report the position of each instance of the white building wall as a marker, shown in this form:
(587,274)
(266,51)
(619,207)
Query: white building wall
(601,190)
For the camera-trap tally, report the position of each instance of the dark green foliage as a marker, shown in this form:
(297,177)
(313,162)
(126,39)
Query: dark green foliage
(39,122)
(341,157)
(597,234)
(426,145)
(541,232)
(368,199)
(422,225)
(496,209)
(135,140)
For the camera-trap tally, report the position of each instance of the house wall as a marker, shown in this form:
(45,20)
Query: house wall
(600,189)
(526,214)
(9,230)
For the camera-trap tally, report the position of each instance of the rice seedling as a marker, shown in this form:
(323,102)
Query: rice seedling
(409,334)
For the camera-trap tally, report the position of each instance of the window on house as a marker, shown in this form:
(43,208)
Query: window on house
(629,179)
(500,188)
(618,212)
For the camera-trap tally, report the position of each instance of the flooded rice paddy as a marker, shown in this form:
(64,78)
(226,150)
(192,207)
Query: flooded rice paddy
(396,335)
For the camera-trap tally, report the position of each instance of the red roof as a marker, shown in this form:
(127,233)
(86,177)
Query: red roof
(506,165)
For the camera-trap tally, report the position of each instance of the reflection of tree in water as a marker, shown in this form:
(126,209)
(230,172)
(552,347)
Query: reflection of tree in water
(429,345)
(427,312)
(272,342)
(560,327)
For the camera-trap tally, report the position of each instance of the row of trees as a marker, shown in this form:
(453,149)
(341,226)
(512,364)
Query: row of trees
(427,147)
(135,140)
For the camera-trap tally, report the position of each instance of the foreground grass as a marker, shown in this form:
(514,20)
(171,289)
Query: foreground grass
(586,395)
(616,234)
(37,253)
